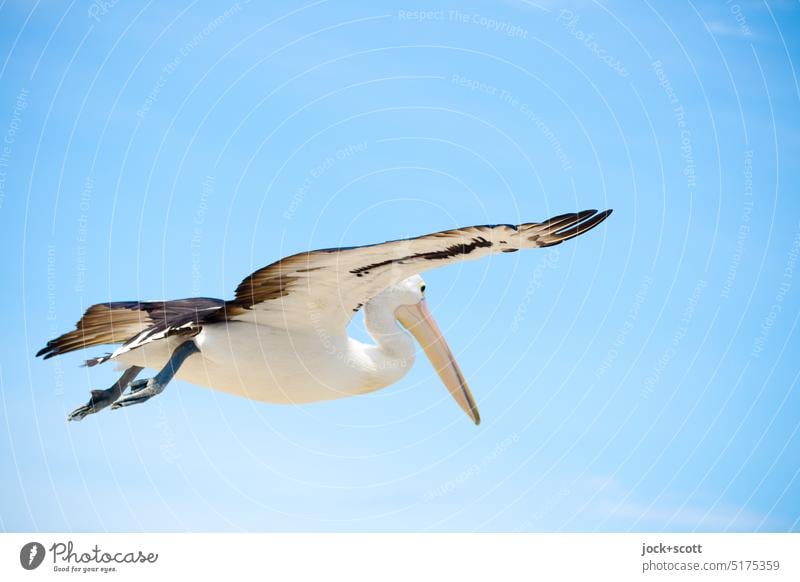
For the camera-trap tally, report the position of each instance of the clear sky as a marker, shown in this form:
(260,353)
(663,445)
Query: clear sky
(641,377)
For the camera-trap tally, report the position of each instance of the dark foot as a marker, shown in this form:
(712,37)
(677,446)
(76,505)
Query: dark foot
(100,399)
(103,398)
(141,391)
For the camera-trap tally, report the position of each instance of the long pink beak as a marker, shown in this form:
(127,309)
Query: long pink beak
(418,320)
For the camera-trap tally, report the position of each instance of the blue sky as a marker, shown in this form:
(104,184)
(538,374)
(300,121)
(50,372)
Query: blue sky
(640,378)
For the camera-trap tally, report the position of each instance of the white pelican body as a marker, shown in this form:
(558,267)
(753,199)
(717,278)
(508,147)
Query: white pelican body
(283,339)
(276,366)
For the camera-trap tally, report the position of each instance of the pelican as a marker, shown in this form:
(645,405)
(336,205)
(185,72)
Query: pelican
(283,338)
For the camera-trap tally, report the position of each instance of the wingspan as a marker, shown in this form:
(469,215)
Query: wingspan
(321,290)
(318,290)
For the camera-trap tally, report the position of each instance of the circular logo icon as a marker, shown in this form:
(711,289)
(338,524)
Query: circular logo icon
(31,555)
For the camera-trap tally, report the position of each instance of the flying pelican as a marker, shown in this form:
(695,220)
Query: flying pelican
(284,340)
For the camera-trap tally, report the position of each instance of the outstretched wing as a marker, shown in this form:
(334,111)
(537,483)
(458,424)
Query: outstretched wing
(134,323)
(321,290)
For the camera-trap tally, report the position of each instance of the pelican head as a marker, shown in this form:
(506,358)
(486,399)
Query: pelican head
(406,300)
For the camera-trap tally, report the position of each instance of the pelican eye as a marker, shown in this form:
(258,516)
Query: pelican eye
(422,289)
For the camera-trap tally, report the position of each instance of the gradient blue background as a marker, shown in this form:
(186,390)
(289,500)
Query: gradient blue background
(641,377)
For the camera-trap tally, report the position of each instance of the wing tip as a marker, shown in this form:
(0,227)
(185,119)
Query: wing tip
(566,226)
(50,350)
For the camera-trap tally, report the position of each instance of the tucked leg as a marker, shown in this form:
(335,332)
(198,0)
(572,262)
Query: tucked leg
(142,390)
(102,398)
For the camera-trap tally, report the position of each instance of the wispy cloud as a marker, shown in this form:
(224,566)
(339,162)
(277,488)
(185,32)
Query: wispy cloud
(724,29)
(682,518)
(615,506)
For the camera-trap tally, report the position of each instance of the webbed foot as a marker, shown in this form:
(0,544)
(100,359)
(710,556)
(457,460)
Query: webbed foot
(103,398)
(100,399)
(141,391)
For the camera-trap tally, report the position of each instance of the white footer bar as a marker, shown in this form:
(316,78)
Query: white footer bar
(353,557)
